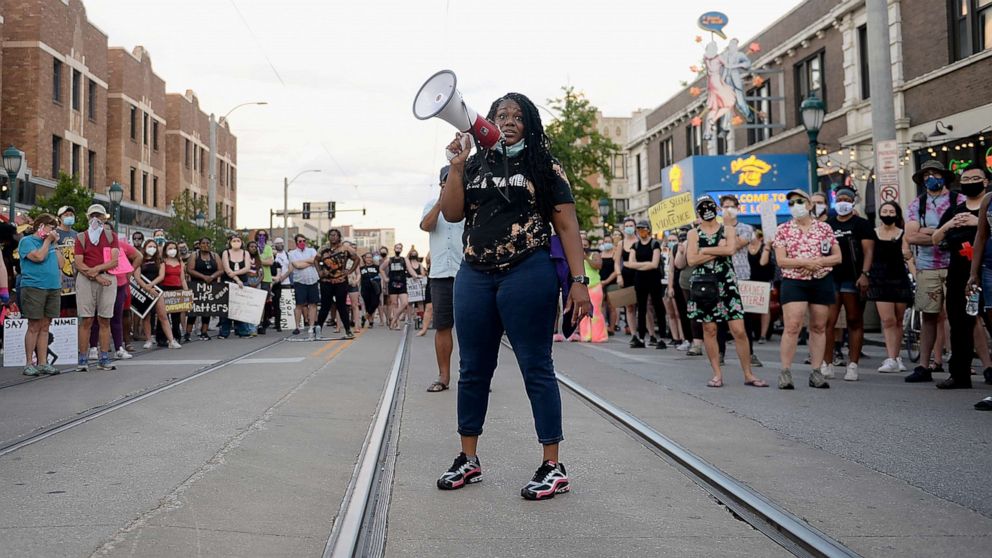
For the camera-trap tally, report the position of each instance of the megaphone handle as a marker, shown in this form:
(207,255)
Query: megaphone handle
(506,171)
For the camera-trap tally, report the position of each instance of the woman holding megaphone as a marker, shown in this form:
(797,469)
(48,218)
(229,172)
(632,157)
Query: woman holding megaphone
(508,281)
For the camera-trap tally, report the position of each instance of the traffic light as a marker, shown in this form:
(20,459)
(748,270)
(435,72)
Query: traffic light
(332,208)
(306,210)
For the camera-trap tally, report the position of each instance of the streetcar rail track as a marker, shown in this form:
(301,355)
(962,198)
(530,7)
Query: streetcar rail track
(97,412)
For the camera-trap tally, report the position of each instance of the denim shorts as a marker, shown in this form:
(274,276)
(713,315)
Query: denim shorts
(987,287)
(847,287)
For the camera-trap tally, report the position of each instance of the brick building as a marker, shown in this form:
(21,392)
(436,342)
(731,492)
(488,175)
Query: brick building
(820,47)
(54,95)
(187,144)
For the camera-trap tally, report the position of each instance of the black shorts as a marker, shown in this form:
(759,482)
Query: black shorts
(442,293)
(814,291)
(397,287)
(306,294)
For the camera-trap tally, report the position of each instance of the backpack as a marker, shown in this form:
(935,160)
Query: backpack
(83,237)
(922,199)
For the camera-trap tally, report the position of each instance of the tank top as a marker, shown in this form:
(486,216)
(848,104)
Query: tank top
(763,273)
(370,276)
(235,266)
(888,259)
(173,275)
(206,267)
(397,270)
(607,268)
(149,270)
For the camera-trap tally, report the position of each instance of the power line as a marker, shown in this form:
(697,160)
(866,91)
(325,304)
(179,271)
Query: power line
(258,43)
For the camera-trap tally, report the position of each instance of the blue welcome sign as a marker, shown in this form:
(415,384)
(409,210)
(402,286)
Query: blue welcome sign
(714,22)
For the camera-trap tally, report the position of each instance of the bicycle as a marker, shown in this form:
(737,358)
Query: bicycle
(911,322)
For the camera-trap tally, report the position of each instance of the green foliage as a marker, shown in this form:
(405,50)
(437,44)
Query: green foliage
(582,150)
(182,227)
(70,192)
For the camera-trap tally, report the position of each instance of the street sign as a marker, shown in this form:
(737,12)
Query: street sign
(887,170)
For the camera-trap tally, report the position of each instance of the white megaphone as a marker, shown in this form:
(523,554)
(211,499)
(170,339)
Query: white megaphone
(439,97)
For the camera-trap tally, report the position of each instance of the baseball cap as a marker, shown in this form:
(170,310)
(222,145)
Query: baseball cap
(725,197)
(643,224)
(797,192)
(279,240)
(64,209)
(96,208)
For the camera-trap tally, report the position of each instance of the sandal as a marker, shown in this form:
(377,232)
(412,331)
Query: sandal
(436,387)
(757,382)
(715,383)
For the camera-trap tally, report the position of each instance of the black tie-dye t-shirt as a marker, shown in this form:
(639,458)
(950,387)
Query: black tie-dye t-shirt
(498,233)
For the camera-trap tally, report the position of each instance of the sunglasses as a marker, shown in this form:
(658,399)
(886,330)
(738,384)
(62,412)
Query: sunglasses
(797,201)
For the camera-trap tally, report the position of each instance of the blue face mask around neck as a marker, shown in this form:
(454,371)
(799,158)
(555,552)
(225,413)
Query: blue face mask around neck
(512,150)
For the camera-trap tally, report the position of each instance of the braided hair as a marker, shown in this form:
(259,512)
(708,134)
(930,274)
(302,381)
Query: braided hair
(539,165)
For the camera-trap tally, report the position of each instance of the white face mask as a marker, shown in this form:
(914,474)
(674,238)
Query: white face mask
(151,250)
(798,211)
(730,212)
(844,208)
(171,252)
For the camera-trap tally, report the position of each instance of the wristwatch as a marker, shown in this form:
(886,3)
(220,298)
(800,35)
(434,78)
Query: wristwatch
(580,279)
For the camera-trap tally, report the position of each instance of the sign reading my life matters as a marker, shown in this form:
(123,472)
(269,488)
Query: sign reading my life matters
(209,299)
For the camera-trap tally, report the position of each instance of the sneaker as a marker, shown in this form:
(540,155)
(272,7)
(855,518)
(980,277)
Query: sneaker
(315,333)
(984,404)
(175,344)
(122,354)
(148,345)
(558,338)
(661,345)
(462,472)
(756,362)
(83,366)
(550,479)
(852,372)
(902,367)
(827,370)
(652,341)
(695,350)
(761,341)
(49,369)
(31,371)
(348,334)
(920,374)
(296,331)
(105,365)
(839,359)
(636,343)
(890,365)
(816,380)
(203,337)
(94,354)
(785,379)
(186,338)
(684,346)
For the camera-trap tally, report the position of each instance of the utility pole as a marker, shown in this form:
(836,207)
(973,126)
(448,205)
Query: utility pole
(883,113)
(212,171)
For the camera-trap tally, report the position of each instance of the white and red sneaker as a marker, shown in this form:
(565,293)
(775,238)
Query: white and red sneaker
(550,479)
(462,472)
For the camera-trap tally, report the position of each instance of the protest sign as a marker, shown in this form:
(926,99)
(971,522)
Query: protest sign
(769,223)
(245,304)
(755,295)
(415,287)
(141,301)
(209,299)
(287,305)
(68,266)
(671,213)
(177,301)
(62,336)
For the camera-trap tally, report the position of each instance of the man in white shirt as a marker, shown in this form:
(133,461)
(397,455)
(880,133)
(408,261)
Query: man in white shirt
(446,254)
(301,260)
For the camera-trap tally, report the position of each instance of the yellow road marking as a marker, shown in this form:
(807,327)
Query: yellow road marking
(323,349)
(338,350)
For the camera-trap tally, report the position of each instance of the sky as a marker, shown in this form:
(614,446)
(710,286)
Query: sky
(340,77)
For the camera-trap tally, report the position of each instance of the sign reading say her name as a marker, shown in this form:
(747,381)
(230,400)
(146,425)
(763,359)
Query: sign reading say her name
(245,304)
(755,295)
(209,299)
(141,301)
(62,335)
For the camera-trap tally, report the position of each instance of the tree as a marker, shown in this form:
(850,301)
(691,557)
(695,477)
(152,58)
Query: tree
(582,151)
(182,227)
(69,192)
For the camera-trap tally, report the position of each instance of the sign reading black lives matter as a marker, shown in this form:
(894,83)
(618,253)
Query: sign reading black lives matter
(209,299)
(141,301)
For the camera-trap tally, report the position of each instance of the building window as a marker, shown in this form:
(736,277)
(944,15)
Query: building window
(971,27)
(155,135)
(144,188)
(56,156)
(203,156)
(134,123)
(762,105)
(91,169)
(863,62)
(232,178)
(144,128)
(56,81)
(131,185)
(75,162)
(77,90)
(638,162)
(810,81)
(186,155)
(154,191)
(618,167)
(667,152)
(693,141)
(196,158)
(91,99)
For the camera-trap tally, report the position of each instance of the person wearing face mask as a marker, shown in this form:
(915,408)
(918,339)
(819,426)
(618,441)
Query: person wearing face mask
(137,240)
(922,220)
(41,286)
(714,295)
(266,258)
(957,232)
(821,210)
(730,206)
(626,278)
(67,219)
(203,267)
(856,239)
(281,270)
(150,275)
(806,251)
(371,289)
(159,236)
(238,265)
(981,267)
(889,285)
(96,252)
(394,272)
(645,259)
(419,271)
(121,304)
(608,274)
(302,260)
(173,279)
(759,255)
(668,248)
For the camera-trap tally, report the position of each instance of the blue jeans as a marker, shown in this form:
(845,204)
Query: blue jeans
(523,301)
(240,328)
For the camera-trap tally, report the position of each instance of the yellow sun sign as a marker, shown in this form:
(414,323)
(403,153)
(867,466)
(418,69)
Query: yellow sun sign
(751,170)
(675,178)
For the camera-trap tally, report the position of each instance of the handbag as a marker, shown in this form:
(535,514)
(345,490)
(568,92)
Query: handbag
(704,288)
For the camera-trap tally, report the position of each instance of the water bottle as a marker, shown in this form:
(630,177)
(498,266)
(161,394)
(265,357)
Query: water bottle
(972,306)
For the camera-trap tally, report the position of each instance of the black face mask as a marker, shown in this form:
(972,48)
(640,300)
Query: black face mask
(888,219)
(397,252)
(383,254)
(972,189)
(707,212)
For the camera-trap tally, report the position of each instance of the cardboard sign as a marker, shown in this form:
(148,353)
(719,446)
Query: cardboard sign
(141,301)
(62,336)
(209,299)
(769,224)
(178,301)
(68,266)
(623,297)
(245,304)
(416,288)
(287,305)
(671,213)
(755,295)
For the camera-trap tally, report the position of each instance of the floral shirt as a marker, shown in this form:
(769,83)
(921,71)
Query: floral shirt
(814,243)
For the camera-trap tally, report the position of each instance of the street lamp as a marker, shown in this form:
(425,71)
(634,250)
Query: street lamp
(116,194)
(285,202)
(12,158)
(212,183)
(813,110)
(200,220)
(604,213)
